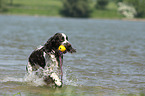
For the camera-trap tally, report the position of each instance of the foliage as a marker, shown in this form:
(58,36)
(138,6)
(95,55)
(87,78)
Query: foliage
(139,6)
(126,10)
(116,1)
(75,8)
(3,5)
(101,4)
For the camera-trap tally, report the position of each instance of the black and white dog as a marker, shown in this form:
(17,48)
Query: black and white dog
(47,61)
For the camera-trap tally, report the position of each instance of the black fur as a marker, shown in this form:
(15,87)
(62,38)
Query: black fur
(37,58)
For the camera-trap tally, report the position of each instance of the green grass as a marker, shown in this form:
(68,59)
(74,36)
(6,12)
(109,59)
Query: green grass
(35,7)
(53,7)
(110,12)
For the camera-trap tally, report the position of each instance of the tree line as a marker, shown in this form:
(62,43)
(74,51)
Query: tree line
(81,8)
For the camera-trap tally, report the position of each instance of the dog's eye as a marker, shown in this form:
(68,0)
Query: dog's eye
(66,38)
(62,39)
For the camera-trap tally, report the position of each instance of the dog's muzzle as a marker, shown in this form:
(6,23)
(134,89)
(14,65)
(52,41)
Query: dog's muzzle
(69,48)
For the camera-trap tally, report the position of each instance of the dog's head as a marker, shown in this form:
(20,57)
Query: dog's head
(59,39)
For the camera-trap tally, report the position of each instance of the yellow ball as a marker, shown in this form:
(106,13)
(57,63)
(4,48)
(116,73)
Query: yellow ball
(61,48)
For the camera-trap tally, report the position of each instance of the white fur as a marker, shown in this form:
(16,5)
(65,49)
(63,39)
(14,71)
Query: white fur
(29,68)
(56,79)
(44,54)
(65,41)
(51,68)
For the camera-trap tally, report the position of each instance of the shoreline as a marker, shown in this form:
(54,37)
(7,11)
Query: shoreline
(134,19)
(123,19)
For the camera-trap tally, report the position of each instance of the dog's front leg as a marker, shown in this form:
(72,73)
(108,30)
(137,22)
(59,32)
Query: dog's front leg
(56,79)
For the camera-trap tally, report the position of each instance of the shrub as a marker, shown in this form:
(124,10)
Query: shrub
(75,8)
(126,10)
(101,4)
(139,5)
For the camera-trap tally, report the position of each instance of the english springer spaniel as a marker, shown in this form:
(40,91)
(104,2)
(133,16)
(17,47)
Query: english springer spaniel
(46,61)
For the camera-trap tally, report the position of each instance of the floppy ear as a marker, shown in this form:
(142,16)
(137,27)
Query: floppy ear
(48,45)
(53,43)
(56,41)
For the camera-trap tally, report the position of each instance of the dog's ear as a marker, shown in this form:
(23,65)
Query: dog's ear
(55,40)
(53,43)
(48,45)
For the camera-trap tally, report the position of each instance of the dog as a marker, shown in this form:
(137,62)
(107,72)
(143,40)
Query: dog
(46,61)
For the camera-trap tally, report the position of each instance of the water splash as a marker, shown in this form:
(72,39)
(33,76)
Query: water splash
(13,79)
(67,81)
(30,79)
(34,80)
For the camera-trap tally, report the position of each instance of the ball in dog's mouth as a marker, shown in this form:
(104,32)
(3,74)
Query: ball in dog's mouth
(62,48)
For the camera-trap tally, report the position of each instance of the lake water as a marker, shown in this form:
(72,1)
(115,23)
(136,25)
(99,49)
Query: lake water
(110,58)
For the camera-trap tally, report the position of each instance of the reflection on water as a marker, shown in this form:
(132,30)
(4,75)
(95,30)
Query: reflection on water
(109,59)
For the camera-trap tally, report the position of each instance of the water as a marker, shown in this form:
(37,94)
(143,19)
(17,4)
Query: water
(110,58)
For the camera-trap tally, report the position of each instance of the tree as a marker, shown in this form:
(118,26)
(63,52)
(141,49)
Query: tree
(139,5)
(75,8)
(101,4)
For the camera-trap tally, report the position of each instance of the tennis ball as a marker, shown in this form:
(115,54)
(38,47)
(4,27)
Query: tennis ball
(61,48)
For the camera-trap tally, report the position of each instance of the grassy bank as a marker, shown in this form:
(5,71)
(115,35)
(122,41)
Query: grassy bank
(110,12)
(52,8)
(33,7)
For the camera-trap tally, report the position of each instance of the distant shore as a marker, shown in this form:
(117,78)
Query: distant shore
(51,8)
(124,19)
(134,19)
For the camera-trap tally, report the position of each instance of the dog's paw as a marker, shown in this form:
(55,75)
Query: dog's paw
(56,79)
